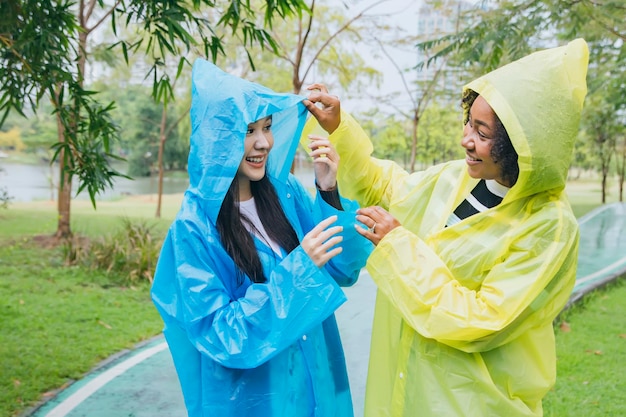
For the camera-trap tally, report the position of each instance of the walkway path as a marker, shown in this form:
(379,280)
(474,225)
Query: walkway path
(143,383)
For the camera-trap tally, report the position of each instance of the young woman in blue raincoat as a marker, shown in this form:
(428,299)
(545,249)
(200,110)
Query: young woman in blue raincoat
(250,271)
(475,258)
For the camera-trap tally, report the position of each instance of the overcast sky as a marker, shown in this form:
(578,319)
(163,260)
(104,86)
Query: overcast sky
(403,14)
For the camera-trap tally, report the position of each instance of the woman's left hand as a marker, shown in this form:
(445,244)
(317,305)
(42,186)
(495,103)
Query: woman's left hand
(378,221)
(325,162)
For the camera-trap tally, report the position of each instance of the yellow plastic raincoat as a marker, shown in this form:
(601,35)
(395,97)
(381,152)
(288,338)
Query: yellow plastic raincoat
(463,319)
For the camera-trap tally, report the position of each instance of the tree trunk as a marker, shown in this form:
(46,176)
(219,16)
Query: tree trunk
(604,175)
(162,137)
(621,170)
(65,184)
(64,230)
(415,123)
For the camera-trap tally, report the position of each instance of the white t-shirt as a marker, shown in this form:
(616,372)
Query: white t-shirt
(248,208)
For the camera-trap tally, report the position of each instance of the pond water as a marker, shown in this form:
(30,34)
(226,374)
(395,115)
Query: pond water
(25,182)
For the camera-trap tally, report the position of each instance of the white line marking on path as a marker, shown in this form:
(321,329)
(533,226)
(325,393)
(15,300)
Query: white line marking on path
(98,382)
(602,271)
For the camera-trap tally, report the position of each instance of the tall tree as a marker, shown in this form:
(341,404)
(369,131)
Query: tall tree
(599,130)
(44,50)
(431,83)
(322,46)
(323,42)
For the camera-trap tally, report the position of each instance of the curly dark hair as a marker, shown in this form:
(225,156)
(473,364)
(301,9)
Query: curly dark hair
(502,150)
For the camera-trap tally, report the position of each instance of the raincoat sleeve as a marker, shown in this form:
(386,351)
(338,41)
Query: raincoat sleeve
(362,177)
(244,331)
(529,285)
(345,267)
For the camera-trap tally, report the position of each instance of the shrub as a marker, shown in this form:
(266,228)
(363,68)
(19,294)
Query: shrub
(130,254)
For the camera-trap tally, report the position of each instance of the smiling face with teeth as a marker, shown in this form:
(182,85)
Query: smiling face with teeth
(257,145)
(479,135)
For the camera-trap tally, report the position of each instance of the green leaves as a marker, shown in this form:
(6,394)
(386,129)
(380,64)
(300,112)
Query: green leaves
(35,50)
(44,47)
(88,134)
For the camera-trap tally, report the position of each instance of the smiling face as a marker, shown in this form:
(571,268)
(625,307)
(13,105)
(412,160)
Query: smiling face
(479,135)
(257,145)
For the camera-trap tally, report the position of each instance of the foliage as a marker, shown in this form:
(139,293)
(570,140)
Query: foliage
(600,129)
(321,46)
(129,254)
(388,135)
(11,140)
(38,131)
(37,58)
(138,117)
(164,28)
(5,198)
(507,30)
(89,132)
(440,132)
(44,49)
(35,37)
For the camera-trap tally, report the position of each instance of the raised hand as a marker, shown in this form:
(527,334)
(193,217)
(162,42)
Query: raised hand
(329,114)
(325,162)
(321,242)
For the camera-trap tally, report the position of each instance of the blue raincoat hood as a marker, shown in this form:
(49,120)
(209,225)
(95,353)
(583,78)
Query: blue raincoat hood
(222,106)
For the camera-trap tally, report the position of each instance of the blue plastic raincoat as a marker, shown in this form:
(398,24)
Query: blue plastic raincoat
(254,350)
(463,319)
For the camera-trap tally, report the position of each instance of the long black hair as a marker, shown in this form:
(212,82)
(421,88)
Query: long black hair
(502,150)
(239,242)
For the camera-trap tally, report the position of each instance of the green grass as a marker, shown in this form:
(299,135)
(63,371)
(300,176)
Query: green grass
(591,352)
(58,322)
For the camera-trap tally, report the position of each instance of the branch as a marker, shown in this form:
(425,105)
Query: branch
(182,116)
(333,36)
(103,18)
(402,77)
(87,14)
(303,39)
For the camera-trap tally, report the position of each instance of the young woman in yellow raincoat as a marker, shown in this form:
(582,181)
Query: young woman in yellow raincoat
(467,292)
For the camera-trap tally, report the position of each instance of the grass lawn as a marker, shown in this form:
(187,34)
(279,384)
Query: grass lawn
(57,322)
(591,357)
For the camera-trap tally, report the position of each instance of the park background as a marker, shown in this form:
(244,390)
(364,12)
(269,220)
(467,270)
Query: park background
(104,102)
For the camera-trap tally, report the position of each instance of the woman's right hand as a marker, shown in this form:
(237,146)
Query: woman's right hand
(329,115)
(320,243)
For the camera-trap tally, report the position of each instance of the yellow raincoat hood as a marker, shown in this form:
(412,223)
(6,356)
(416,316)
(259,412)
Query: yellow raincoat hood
(463,318)
(542,120)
